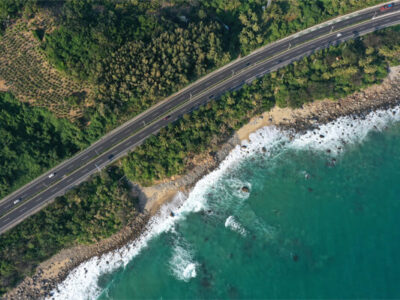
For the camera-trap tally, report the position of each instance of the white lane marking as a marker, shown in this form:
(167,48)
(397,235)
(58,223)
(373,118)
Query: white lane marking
(23,209)
(8,218)
(69,179)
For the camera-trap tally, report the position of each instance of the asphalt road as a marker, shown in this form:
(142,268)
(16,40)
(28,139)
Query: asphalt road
(119,142)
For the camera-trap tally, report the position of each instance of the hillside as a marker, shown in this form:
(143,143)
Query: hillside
(97,64)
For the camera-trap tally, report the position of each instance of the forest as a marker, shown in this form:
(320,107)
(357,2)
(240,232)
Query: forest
(330,73)
(95,210)
(102,205)
(32,141)
(136,54)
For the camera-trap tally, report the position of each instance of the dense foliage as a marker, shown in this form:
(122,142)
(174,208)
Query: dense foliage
(138,74)
(10,9)
(30,77)
(91,30)
(260,24)
(94,211)
(32,140)
(330,73)
(137,54)
(142,51)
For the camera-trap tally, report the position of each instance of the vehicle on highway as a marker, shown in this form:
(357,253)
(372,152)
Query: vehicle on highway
(52,175)
(17,201)
(339,34)
(167,117)
(387,6)
(111,156)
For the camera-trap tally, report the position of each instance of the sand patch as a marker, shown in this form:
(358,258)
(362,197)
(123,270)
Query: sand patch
(3,86)
(327,109)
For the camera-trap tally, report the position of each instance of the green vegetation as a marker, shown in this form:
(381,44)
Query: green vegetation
(101,206)
(31,78)
(138,75)
(330,73)
(32,140)
(254,24)
(10,9)
(96,210)
(139,52)
(89,31)
(134,54)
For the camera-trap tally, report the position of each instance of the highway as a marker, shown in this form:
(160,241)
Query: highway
(38,193)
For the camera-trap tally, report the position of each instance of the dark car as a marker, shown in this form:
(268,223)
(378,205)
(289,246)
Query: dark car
(211,97)
(167,118)
(387,6)
(111,156)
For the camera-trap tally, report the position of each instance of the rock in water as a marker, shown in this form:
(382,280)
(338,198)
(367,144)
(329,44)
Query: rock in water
(245,189)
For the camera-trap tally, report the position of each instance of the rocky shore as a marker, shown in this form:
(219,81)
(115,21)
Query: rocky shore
(56,269)
(53,271)
(382,96)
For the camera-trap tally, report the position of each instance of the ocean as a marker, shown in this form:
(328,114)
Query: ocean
(312,215)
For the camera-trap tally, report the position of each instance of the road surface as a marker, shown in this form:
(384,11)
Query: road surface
(38,193)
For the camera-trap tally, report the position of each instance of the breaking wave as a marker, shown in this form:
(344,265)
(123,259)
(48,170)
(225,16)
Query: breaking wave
(334,137)
(234,225)
(182,263)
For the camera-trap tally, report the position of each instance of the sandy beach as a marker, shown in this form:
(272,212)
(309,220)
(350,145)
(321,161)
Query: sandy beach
(54,270)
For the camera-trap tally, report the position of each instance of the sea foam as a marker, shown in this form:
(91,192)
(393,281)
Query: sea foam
(234,225)
(82,282)
(182,263)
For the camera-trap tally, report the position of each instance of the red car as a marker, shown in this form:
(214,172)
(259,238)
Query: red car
(387,6)
(167,117)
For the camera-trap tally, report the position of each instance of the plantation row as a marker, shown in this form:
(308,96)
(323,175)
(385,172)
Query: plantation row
(30,77)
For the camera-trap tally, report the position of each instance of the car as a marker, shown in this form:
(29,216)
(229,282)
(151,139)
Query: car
(52,175)
(211,97)
(167,117)
(17,201)
(339,34)
(386,7)
(111,156)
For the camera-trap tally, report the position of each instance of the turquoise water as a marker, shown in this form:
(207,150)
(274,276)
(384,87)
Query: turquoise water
(318,222)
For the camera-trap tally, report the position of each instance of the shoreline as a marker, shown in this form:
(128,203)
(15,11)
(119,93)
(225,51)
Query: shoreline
(55,270)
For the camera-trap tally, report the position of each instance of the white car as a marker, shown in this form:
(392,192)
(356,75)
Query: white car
(52,175)
(339,34)
(17,201)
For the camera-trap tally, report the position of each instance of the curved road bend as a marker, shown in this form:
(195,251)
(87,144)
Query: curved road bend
(38,193)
